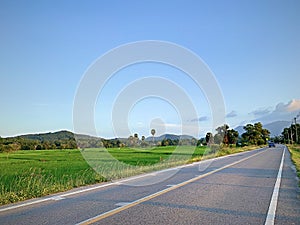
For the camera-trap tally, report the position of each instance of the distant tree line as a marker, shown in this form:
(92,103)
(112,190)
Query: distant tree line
(254,134)
(14,144)
(135,141)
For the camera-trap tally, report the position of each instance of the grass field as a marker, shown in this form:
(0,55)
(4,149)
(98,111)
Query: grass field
(30,174)
(295,153)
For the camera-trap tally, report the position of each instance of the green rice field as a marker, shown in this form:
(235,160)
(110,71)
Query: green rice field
(36,173)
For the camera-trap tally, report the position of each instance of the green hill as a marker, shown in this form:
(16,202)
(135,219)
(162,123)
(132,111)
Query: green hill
(56,136)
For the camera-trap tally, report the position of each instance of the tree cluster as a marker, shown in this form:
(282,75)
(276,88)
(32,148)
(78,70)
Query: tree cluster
(57,140)
(254,134)
(14,144)
(223,136)
(290,135)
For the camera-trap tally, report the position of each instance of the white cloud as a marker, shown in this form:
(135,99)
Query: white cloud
(200,119)
(231,114)
(140,124)
(291,106)
(261,112)
(281,112)
(294,105)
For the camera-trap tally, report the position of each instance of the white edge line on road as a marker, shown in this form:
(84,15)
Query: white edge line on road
(273,204)
(24,204)
(156,194)
(57,198)
(122,203)
(118,182)
(53,197)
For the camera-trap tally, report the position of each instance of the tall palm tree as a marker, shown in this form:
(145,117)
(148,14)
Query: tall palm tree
(136,139)
(153,133)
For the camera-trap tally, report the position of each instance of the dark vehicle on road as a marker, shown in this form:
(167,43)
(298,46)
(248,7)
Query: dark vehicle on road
(271,144)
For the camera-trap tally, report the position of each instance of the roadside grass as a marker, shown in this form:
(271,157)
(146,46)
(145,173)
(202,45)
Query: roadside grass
(31,174)
(295,155)
(218,151)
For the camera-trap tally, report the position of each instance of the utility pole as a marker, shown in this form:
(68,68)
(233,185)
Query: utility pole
(292,133)
(296,139)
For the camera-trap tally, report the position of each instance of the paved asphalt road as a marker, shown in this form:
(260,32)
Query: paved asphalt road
(238,189)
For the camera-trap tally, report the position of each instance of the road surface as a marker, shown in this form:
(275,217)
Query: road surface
(256,187)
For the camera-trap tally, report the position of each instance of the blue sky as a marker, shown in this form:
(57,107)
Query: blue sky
(252,47)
